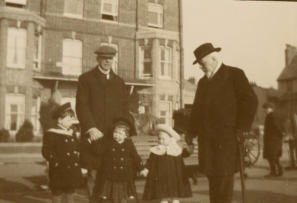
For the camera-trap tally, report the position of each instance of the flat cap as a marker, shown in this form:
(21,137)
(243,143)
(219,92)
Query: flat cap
(106,51)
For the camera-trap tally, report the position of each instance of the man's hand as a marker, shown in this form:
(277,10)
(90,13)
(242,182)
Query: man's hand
(144,172)
(95,134)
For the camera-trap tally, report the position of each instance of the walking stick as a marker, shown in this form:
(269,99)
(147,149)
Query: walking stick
(241,159)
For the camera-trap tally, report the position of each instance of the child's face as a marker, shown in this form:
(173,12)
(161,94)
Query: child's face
(67,121)
(164,138)
(119,134)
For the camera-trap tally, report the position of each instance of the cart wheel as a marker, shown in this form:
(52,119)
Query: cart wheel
(252,150)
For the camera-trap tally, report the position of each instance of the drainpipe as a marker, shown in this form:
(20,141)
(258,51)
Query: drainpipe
(181,74)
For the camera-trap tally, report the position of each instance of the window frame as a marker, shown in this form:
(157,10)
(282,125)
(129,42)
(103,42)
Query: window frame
(168,63)
(37,58)
(115,11)
(67,70)
(15,47)
(14,99)
(159,10)
(143,60)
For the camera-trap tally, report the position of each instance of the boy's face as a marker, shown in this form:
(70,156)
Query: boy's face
(164,138)
(119,134)
(67,121)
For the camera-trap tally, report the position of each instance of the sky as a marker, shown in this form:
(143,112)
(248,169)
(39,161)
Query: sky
(252,34)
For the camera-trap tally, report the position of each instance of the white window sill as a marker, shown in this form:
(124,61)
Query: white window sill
(109,21)
(13,66)
(69,15)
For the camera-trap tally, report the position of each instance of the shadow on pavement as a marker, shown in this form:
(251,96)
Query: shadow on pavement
(253,196)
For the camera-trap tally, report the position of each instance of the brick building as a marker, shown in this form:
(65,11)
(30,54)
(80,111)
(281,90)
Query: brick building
(44,43)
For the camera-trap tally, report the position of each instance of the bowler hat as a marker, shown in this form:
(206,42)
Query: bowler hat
(204,50)
(106,51)
(61,109)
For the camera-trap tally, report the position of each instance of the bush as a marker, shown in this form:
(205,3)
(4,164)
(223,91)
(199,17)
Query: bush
(4,135)
(25,133)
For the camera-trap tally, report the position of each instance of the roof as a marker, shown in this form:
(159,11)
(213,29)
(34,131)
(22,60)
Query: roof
(289,72)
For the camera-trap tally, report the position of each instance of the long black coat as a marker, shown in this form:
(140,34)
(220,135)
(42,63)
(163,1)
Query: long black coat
(98,102)
(273,129)
(61,150)
(222,105)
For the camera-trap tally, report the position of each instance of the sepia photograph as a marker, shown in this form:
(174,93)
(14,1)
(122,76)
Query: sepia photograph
(148,101)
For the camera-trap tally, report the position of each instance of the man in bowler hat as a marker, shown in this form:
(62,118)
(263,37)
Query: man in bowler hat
(101,97)
(223,111)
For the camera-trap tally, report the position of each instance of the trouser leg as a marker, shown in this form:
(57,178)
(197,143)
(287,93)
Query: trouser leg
(221,188)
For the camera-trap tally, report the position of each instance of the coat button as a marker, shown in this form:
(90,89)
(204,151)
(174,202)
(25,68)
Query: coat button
(122,159)
(72,140)
(75,164)
(123,149)
(114,168)
(66,140)
(121,167)
(68,154)
(113,149)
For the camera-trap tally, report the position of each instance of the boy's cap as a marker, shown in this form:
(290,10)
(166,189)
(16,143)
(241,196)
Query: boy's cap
(127,121)
(167,129)
(60,110)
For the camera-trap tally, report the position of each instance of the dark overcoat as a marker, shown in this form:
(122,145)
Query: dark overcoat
(118,162)
(273,129)
(98,102)
(222,105)
(62,152)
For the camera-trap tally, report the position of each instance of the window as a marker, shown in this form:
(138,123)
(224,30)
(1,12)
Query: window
(155,15)
(165,108)
(166,62)
(74,8)
(35,114)
(37,52)
(145,61)
(16,47)
(72,57)
(115,58)
(16,3)
(14,111)
(109,10)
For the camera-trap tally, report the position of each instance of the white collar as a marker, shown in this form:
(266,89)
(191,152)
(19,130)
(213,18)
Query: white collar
(173,150)
(61,131)
(105,72)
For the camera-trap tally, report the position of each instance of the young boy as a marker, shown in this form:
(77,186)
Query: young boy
(60,149)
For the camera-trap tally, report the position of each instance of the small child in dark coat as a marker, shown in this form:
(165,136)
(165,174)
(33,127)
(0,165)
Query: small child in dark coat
(165,170)
(61,149)
(119,164)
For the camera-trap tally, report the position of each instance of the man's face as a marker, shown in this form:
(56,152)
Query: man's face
(105,63)
(209,62)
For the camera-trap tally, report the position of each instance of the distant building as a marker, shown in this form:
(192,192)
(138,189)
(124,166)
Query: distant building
(287,81)
(43,43)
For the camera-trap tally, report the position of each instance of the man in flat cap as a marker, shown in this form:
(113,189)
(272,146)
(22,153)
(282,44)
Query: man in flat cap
(274,130)
(101,97)
(223,110)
